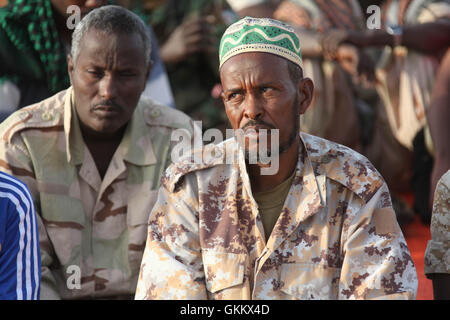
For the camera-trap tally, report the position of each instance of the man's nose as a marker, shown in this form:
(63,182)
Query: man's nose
(253,108)
(108,87)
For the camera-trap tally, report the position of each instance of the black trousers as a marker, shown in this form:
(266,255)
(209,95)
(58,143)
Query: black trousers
(422,168)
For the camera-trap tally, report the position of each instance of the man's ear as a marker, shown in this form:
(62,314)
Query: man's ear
(306,92)
(70,67)
(149,69)
(147,74)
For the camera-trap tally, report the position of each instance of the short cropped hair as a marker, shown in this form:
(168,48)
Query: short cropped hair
(295,72)
(111,19)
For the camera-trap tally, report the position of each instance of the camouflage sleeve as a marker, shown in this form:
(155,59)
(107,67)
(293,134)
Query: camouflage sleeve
(437,254)
(14,159)
(377,263)
(171,266)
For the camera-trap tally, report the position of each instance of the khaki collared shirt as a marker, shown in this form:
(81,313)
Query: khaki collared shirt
(336,238)
(92,231)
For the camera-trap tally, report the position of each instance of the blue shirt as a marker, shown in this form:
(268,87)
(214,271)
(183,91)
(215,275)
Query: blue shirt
(20,259)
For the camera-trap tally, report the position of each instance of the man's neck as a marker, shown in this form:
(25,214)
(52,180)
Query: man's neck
(101,148)
(287,164)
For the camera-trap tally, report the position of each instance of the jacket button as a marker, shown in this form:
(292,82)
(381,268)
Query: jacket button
(218,153)
(47,116)
(155,113)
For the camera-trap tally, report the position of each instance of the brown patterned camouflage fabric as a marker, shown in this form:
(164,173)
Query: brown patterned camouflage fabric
(336,238)
(98,226)
(437,254)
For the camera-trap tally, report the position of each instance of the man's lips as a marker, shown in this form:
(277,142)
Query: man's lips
(106,110)
(254,134)
(257,125)
(256,128)
(256,131)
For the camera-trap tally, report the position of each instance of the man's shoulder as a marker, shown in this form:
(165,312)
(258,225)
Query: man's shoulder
(11,182)
(442,196)
(13,189)
(445,180)
(42,115)
(209,159)
(156,114)
(343,165)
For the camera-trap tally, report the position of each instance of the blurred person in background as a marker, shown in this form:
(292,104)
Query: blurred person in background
(438,118)
(404,78)
(188,33)
(35,39)
(338,112)
(346,106)
(437,254)
(437,259)
(414,37)
(253,8)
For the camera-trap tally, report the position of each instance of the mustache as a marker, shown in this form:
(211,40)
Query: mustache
(109,103)
(256,123)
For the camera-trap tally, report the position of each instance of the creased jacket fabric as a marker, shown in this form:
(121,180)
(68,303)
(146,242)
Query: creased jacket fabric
(336,238)
(92,231)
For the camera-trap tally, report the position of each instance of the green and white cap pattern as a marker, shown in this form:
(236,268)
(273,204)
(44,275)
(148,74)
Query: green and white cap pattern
(260,35)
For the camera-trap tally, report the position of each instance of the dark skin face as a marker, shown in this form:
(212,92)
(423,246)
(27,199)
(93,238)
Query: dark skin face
(108,78)
(259,93)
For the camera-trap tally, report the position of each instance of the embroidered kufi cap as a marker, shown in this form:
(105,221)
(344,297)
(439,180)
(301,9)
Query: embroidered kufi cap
(260,35)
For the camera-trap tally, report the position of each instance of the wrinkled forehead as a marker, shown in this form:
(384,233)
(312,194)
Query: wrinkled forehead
(98,45)
(257,63)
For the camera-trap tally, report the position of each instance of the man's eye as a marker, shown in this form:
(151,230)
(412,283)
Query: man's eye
(127,74)
(95,73)
(234,96)
(266,89)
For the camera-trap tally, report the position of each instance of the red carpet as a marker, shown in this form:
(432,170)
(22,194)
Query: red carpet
(417,234)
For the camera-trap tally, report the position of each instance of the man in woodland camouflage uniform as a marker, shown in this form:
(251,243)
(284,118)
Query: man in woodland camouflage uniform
(321,227)
(92,157)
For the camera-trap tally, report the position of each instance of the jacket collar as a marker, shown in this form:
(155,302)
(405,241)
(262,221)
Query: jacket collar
(306,197)
(72,131)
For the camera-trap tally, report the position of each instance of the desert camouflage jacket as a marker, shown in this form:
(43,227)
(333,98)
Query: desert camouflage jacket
(437,254)
(336,238)
(92,231)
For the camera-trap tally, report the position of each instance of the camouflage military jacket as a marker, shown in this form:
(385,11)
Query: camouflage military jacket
(92,231)
(437,254)
(336,238)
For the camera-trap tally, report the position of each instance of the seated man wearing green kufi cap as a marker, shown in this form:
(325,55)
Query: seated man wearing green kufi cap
(320,227)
